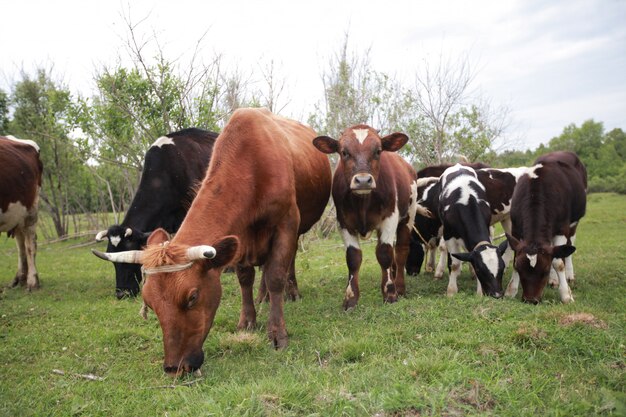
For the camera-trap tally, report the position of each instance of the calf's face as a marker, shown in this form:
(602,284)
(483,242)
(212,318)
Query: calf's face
(360,149)
(533,263)
(488,265)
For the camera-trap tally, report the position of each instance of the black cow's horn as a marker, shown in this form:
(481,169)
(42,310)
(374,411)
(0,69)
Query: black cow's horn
(101,235)
(126,257)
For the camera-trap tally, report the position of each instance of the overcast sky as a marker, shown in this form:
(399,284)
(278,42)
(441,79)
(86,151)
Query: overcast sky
(551,62)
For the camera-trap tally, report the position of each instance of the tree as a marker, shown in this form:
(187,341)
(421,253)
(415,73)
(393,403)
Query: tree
(43,112)
(4,112)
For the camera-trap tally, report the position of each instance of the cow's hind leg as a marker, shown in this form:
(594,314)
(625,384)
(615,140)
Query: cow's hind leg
(247,316)
(276,271)
(30,244)
(443,259)
(291,291)
(401,254)
(22,264)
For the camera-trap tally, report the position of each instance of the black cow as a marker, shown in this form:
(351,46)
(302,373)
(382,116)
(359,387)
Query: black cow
(547,205)
(173,166)
(466,217)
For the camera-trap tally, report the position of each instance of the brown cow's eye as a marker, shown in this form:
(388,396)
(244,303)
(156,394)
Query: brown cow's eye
(345,153)
(193,297)
(377,153)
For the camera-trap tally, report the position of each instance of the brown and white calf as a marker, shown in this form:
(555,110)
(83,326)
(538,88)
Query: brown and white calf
(20,182)
(373,189)
(266,184)
(466,217)
(547,205)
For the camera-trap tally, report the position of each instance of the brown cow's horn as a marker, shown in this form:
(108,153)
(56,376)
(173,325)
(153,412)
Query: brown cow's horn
(201,252)
(101,235)
(129,232)
(126,257)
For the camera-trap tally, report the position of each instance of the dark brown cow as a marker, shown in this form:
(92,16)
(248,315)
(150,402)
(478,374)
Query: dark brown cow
(20,181)
(547,205)
(373,189)
(266,184)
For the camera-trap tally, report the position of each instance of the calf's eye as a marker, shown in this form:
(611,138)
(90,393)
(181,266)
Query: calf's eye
(193,297)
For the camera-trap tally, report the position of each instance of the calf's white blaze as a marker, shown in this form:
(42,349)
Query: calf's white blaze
(490,259)
(360,134)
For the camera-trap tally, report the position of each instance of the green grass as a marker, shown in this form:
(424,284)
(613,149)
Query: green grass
(425,355)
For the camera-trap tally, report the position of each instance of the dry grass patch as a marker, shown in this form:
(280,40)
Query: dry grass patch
(583,318)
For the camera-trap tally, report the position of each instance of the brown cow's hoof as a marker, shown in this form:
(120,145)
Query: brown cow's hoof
(33,287)
(279,339)
(246,324)
(391,298)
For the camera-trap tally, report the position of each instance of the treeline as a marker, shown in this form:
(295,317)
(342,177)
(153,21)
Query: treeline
(603,153)
(93,147)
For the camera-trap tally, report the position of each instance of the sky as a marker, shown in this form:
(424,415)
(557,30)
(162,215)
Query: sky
(551,63)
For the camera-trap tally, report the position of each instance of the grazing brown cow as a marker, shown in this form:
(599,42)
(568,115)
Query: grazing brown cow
(547,205)
(266,184)
(373,189)
(20,181)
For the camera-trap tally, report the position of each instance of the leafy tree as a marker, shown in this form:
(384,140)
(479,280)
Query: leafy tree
(4,112)
(42,111)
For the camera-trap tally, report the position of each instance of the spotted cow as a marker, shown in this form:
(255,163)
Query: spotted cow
(547,205)
(466,217)
(173,167)
(20,182)
(373,189)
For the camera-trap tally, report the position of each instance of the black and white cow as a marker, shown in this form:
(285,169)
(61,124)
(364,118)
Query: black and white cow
(174,165)
(466,217)
(548,203)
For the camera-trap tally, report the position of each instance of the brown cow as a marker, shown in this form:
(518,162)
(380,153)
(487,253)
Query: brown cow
(547,205)
(20,182)
(373,189)
(265,185)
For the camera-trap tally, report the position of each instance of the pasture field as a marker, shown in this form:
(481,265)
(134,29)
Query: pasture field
(425,355)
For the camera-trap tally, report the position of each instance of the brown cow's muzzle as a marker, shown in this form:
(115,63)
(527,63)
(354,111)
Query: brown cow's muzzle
(362,183)
(189,364)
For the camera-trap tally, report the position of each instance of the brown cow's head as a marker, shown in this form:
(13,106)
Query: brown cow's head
(360,149)
(183,288)
(533,263)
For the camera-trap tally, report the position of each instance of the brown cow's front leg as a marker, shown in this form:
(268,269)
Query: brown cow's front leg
(384,255)
(402,252)
(354,257)
(247,316)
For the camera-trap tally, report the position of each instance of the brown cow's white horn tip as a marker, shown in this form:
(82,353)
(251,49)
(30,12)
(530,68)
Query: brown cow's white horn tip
(201,252)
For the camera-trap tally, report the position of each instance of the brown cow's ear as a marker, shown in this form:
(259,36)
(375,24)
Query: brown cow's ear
(393,142)
(562,251)
(326,144)
(225,251)
(158,236)
(513,242)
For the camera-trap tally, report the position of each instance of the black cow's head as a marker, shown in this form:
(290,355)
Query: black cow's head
(487,262)
(127,276)
(360,148)
(532,263)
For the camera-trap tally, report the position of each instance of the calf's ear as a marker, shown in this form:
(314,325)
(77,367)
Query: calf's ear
(225,251)
(394,142)
(326,144)
(502,247)
(513,242)
(562,251)
(464,256)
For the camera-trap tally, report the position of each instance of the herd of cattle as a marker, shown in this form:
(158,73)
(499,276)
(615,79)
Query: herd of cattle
(243,199)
